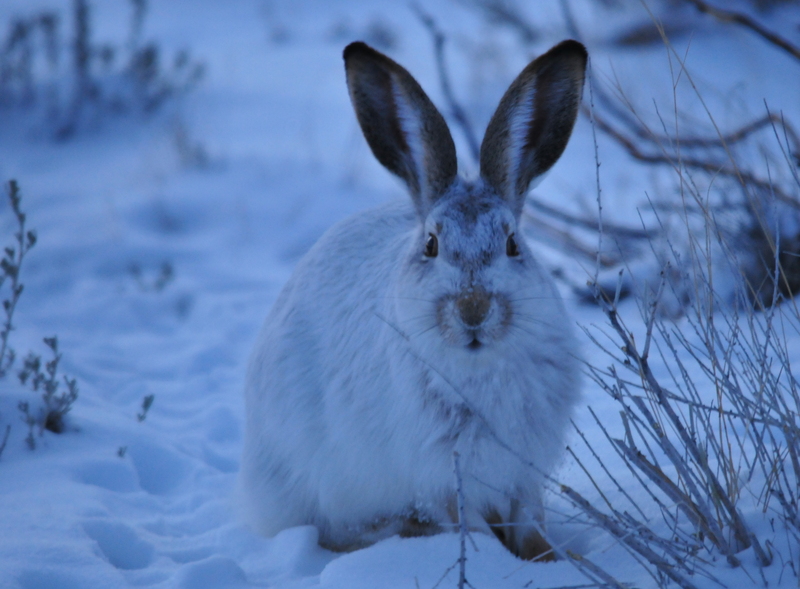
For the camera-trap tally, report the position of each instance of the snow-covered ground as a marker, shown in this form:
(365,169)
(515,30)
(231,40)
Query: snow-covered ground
(285,161)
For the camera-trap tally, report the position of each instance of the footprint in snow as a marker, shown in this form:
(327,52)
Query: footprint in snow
(120,544)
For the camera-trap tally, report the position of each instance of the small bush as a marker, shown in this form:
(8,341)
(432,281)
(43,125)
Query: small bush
(11,265)
(55,405)
(71,84)
(703,379)
(56,402)
(147,402)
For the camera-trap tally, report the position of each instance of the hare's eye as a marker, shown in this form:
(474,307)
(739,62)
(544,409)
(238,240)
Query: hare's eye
(432,246)
(511,246)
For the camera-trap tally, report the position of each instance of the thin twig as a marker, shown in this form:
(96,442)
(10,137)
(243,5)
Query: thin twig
(731,16)
(462,524)
(547,233)
(457,112)
(506,13)
(600,226)
(612,526)
(584,566)
(715,168)
(687,441)
(5,440)
(11,266)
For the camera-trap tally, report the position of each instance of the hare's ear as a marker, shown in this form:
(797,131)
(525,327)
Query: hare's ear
(531,127)
(403,128)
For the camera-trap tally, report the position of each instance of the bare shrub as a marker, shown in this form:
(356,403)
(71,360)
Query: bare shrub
(702,375)
(714,433)
(56,403)
(11,265)
(71,83)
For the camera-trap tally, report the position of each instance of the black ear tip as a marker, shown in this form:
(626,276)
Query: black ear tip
(571,48)
(357,47)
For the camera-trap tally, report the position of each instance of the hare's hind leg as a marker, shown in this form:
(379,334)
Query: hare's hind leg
(414,526)
(512,525)
(475,519)
(525,539)
(532,546)
(502,529)
(515,532)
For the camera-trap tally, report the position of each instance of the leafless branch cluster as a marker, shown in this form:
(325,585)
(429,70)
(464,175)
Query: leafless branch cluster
(506,13)
(746,205)
(739,18)
(71,82)
(456,110)
(699,459)
(548,223)
(745,181)
(42,376)
(11,265)
(714,432)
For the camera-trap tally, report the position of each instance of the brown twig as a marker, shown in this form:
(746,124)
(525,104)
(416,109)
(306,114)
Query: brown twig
(736,136)
(506,13)
(5,439)
(731,16)
(744,177)
(456,110)
(614,527)
(462,524)
(639,363)
(543,231)
(11,265)
(614,229)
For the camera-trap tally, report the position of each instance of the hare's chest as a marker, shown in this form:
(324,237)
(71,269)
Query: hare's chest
(467,402)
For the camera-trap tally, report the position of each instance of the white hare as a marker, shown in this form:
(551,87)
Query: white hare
(418,329)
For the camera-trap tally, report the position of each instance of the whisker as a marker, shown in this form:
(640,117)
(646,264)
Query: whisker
(520,299)
(525,331)
(418,317)
(531,319)
(395,297)
(424,331)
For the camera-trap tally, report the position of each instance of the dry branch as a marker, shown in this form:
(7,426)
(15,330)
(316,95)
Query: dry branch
(713,168)
(457,112)
(613,526)
(506,13)
(731,16)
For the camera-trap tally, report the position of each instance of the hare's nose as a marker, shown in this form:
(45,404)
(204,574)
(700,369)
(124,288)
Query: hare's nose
(473,305)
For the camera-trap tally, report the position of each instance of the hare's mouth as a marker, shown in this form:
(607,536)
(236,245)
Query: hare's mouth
(475,344)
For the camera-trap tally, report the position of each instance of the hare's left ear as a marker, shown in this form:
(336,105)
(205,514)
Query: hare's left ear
(404,130)
(531,127)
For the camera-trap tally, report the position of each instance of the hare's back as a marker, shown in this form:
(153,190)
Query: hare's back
(352,261)
(329,311)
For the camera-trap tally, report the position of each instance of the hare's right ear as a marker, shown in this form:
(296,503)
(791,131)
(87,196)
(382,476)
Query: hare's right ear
(531,127)
(404,130)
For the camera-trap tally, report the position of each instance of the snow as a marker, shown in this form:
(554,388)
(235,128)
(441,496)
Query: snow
(286,161)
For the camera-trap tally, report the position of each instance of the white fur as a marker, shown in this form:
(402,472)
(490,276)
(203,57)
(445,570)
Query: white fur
(338,434)
(520,120)
(410,123)
(361,384)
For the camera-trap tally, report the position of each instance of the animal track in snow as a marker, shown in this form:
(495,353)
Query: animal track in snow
(120,544)
(160,470)
(215,571)
(45,579)
(112,474)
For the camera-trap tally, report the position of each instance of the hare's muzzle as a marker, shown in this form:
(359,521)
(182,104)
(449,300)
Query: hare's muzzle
(473,306)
